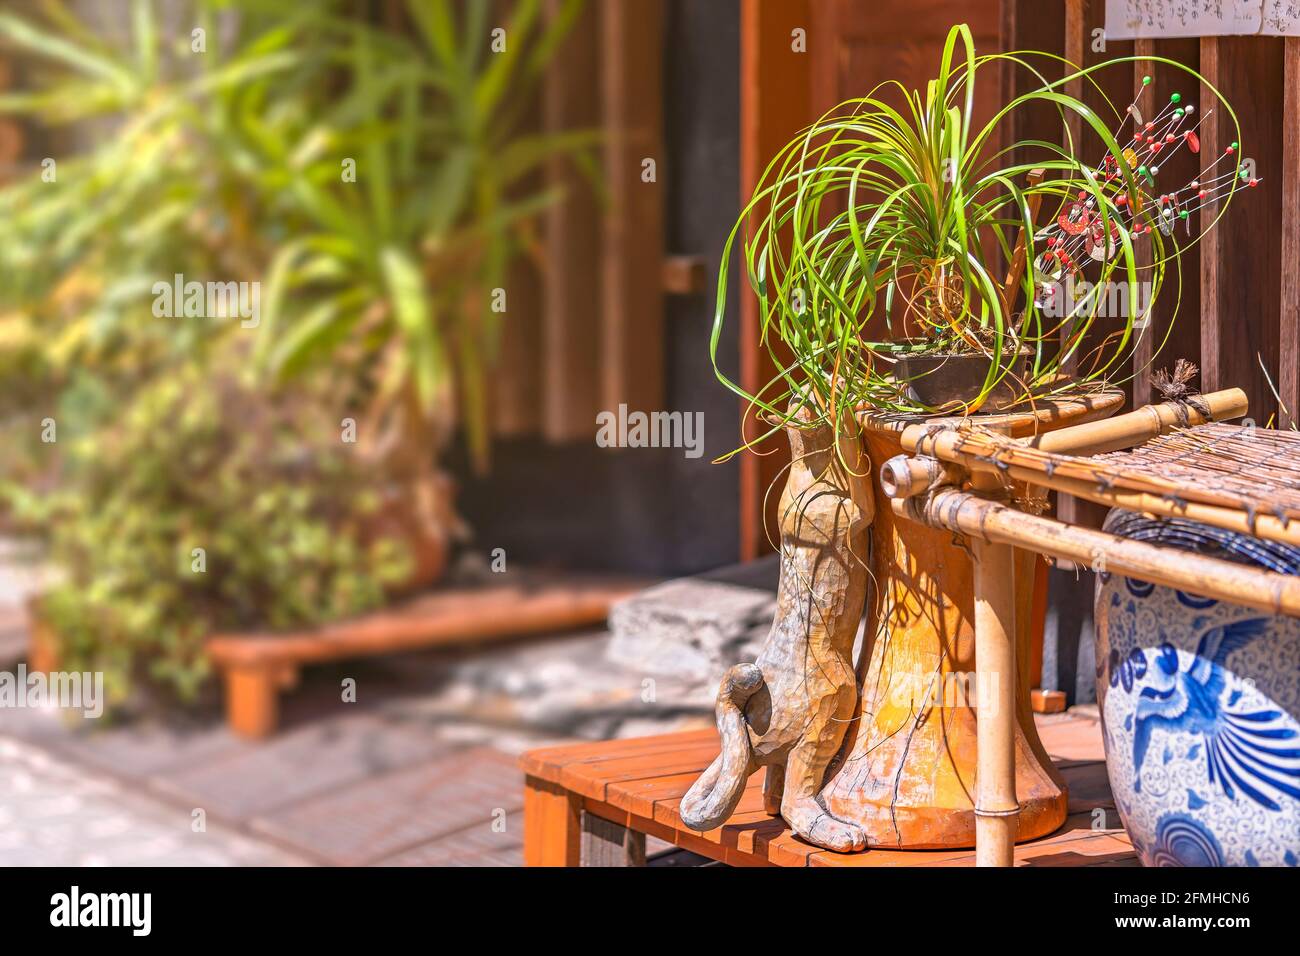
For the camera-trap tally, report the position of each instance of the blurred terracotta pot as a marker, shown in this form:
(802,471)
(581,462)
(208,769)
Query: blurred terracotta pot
(420,513)
(43,653)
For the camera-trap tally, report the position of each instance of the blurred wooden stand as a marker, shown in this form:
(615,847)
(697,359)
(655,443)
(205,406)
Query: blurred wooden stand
(255,668)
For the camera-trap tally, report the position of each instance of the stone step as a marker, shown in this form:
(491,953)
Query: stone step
(695,628)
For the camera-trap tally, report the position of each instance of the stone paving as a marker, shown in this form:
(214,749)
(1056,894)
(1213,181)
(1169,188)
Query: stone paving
(53,813)
(419,771)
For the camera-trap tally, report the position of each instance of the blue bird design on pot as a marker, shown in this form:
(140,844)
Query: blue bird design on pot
(1203,749)
(1241,748)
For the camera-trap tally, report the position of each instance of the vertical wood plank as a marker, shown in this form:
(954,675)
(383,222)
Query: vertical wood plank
(552,825)
(517,380)
(1288,377)
(570,328)
(1173,329)
(1241,302)
(606,843)
(1211,254)
(1081,18)
(632,314)
(775,93)
(1076,13)
(1144,346)
(1028,25)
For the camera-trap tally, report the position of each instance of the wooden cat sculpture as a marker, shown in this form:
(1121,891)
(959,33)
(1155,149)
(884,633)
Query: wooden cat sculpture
(789,710)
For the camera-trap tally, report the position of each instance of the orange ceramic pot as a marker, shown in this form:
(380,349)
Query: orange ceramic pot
(906,771)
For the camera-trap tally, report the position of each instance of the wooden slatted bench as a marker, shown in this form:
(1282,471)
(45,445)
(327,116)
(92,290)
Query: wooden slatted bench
(255,668)
(594,803)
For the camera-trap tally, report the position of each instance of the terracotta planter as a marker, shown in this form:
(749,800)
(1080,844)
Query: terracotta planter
(942,379)
(1200,706)
(906,771)
(421,515)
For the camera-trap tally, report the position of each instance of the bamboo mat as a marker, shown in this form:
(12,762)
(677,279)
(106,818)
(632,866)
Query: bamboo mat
(1243,467)
(1250,468)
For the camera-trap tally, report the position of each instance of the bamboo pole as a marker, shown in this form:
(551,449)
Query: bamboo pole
(904,477)
(989,521)
(1093,438)
(1265,526)
(996,808)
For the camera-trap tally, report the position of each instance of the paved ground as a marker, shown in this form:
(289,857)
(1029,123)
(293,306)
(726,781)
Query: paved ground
(420,770)
(54,813)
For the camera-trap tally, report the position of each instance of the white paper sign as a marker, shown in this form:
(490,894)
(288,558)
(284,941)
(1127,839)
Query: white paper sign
(1281,18)
(1160,19)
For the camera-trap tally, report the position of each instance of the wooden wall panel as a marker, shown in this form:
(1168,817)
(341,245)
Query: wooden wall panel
(585,322)
(1179,333)
(1241,257)
(775,92)
(870,43)
(1288,374)
(632,316)
(1113,90)
(570,333)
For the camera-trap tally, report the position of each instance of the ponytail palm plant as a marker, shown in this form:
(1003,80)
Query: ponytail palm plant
(885,230)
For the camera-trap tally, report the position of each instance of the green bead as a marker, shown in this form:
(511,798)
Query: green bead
(1146,81)
(1175,97)
(1183,214)
(1234,145)
(1178,113)
(1142,170)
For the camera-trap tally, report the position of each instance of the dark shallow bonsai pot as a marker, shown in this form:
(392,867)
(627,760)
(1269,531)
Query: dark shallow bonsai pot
(939,379)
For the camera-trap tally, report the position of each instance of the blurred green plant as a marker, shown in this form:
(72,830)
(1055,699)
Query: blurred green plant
(379,183)
(209,506)
(379,180)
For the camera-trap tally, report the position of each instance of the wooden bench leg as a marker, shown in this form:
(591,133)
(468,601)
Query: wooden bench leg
(252,706)
(605,843)
(551,824)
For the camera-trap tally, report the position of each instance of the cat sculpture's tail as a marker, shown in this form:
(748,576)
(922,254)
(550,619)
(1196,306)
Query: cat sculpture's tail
(713,797)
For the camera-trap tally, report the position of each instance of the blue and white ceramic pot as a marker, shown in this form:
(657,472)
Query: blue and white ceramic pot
(1200,707)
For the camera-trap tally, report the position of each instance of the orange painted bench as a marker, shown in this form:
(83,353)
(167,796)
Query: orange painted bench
(594,803)
(255,668)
